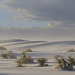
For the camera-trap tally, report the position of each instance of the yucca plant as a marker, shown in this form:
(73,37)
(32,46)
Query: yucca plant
(63,64)
(25,59)
(41,61)
(22,58)
(57,56)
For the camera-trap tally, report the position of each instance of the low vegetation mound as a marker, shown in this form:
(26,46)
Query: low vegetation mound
(71,50)
(27,50)
(25,59)
(71,60)
(2,48)
(63,64)
(42,62)
(8,54)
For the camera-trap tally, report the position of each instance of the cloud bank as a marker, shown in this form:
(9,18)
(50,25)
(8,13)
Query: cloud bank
(60,15)
(37,33)
(44,10)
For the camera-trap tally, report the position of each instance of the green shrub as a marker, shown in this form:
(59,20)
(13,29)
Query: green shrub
(2,48)
(42,61)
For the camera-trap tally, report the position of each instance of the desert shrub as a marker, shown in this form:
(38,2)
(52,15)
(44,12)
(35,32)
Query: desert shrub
(10,54)
(71,60)
(57,56)
(27,50)
(41,61)
(28,59)
(2,48)
(71,50)
(25,59)
(22,58)
(58,61)
(4,56)
(63,64)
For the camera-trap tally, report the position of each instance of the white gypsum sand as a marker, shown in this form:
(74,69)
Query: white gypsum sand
(40,49)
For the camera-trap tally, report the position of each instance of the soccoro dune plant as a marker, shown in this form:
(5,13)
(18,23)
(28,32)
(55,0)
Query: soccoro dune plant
(27,50)
(42,61)
(2,48)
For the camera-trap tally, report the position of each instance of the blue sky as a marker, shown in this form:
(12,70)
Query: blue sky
(42,19)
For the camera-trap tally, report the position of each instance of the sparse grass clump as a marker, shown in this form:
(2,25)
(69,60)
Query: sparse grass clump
(27,50)
(2,48)
(71,50)
(42,61)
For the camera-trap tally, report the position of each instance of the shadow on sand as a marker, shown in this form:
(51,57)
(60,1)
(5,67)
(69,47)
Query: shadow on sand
(2,74)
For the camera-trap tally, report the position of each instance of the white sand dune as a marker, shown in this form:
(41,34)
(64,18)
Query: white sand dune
(40,49)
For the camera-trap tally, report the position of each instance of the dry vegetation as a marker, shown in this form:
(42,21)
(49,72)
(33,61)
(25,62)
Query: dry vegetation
(2,48)
(27,50)
(24,59)
(42,62)
(64,64)
(8,54)
(71,50)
